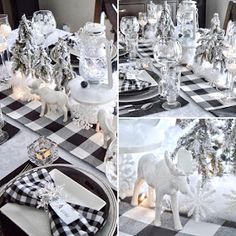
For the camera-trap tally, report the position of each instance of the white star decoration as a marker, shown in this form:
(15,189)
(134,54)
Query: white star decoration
(198,203)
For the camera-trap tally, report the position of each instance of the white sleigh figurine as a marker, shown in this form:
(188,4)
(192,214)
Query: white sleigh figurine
(107,122)
(164,177)
(50,98)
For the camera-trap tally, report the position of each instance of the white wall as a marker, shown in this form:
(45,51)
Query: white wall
(213,6)
(71,12)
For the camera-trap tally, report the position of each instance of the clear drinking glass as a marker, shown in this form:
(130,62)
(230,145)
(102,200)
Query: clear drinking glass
(132,45)
(44,22)
(142,19)
(128,26)
(5,29)
(167,53)
(172,91)
(3,134)
(4,72)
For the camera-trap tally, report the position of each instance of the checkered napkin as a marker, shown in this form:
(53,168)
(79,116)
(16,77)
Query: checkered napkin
(133,85)
(22,192)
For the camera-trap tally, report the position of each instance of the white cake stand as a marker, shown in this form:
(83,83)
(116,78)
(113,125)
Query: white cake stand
(86,102)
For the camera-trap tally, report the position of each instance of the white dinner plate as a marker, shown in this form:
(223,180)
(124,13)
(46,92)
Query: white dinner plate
(35,222)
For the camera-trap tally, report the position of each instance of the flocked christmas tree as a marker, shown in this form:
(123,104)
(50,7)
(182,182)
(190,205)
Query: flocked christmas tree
(199,140)
(212,45)
(165,27)
(63,71)
(229,147)
(183,123)
(43,68)
(23,51)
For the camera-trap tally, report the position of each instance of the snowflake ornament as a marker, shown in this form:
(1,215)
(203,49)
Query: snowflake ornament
(199,203)
(231,197)
(48,193)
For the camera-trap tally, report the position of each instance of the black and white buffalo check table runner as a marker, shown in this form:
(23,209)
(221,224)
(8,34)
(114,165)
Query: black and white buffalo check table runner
(197,88)
(139,221)
(84,144)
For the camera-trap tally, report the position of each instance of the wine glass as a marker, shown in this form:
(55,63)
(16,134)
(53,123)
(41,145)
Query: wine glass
(5,30)
(44,22)
(129,25)
(159,11)
(230,54)
(231,74)
(168,53)
(231,33)
(3,134)
(4,72)
(152,13)
(142,19)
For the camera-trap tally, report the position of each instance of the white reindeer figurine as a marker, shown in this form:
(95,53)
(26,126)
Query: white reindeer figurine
(50,98)
(165,178)
(107,122)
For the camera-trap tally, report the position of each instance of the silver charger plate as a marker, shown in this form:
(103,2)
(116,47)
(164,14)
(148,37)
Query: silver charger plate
(109,226)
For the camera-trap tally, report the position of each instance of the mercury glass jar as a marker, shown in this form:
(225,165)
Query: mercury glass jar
(187,19)
(93,61)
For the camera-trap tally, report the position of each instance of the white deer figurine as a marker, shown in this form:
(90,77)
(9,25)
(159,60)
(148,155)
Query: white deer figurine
(50,98)
(165,178)
(107,122)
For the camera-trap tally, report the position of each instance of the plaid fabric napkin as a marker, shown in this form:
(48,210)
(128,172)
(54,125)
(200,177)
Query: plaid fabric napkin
(133,85)
(23,190)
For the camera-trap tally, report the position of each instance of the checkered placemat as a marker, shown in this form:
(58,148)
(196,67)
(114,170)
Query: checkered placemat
(197,88)
(84,144)
(139,221)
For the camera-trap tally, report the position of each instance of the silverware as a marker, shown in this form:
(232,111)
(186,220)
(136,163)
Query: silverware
(125,107)
(144,107)
(29,166)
